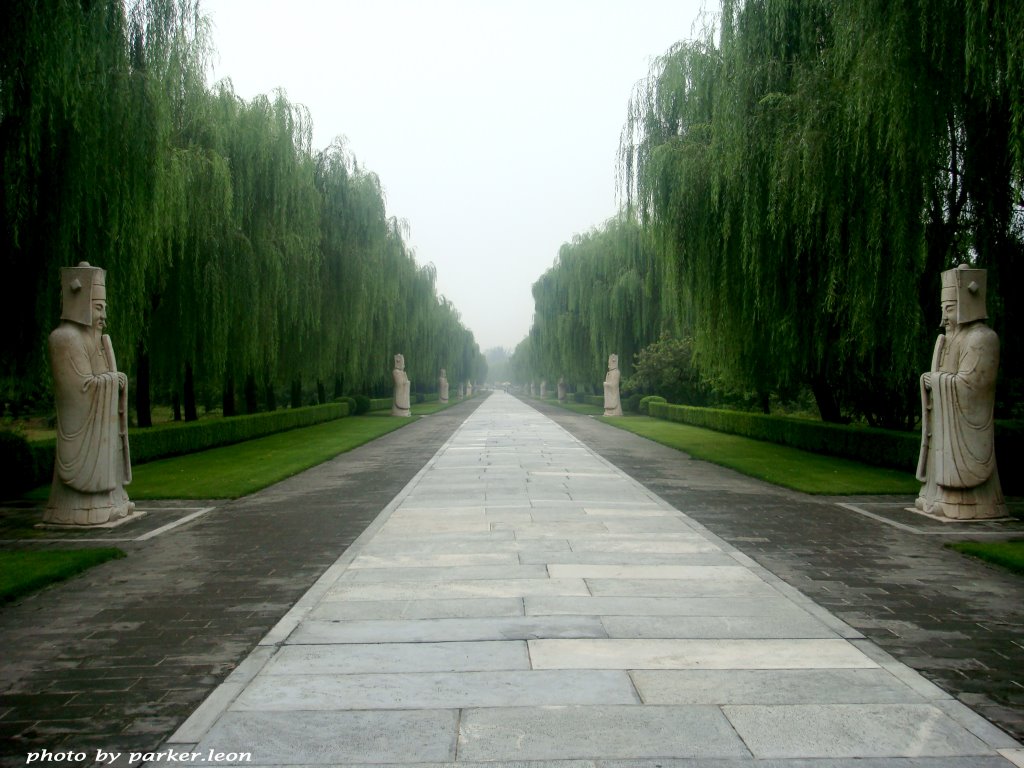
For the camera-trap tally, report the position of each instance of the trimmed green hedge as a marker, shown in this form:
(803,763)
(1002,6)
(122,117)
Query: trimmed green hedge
(880,447)
(160,442)
(381,403)
(645,403)
(597,400)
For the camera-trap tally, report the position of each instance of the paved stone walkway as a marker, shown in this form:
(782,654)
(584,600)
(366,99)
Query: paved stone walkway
(522,601)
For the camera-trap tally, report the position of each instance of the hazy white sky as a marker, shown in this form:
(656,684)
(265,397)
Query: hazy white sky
(492,124)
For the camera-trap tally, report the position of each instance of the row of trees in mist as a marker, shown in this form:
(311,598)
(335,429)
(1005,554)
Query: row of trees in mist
(804,172)
(239,259)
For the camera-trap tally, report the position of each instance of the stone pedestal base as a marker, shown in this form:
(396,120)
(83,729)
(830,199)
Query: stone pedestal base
(129,518)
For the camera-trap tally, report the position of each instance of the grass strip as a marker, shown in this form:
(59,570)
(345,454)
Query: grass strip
(1008,554)
(777,464)
(243,468)
(583,408)
(24,572)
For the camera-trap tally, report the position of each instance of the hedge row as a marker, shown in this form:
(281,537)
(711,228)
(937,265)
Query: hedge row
(881,447)
(597,400)
(27,465)
(380,403)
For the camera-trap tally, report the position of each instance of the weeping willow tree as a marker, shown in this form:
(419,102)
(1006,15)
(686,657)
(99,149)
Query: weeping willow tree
(808,174)
(602,296)
(235,253)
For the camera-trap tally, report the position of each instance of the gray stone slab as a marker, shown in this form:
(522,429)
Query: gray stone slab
(497,543)
(671,544)
(696,654)
(771,686)
(658,606)
(326,738)
(425,590)
(626,558)
(563,529)
(445,573)
(851,730)
(447,630)
(718,574)
(679,588)
(600,732)
(645,524)
(435,560)
(438,690)
(792,623)
(398,657)
(369,610)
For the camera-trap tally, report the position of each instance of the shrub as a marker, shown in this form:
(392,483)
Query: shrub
(645,402)
(350,402)
(175,439)
(578,397)
(18,463)
(362,404)
(632,403)
(381,403)
(597,400)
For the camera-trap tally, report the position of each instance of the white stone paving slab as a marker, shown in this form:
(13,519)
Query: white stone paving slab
(565,733)
(748,587)
(659,606)
(785,624)
(771,686)
(333,738)
(696,654)
(447,630)
(438,690)
(730,573)
(367,610)
(435,560)
(398,657)
(411,590)
(446,573)
(851,730)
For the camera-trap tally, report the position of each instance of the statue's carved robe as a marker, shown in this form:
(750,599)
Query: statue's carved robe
(92,464)
(401,404)
(443,389)
(612,403)
(961,479)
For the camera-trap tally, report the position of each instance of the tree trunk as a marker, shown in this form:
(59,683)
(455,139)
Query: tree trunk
(228,399)
(176,406)
(191,414)
(296,399)
(252,404)
(271,397)
(825,397)
(143,405)
(338,389)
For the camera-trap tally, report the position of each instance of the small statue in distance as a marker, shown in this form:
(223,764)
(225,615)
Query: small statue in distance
(561,389)
(400,406)
(442,387)
(957,465)
(92,463)
(612,403)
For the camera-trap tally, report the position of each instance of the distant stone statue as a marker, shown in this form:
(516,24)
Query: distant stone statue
(561,389)
(543,388)
(92,464)
(469,389)
(612,404)
(958,462)
(400,406)
(442,387)
(462,390)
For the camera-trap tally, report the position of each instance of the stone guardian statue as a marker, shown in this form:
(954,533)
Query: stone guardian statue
(400,406)
(442,387)
(957,465)
(612,403)
(561,389)
(92,464)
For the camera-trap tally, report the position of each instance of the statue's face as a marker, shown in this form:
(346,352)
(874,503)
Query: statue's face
(99,315)
(948,315)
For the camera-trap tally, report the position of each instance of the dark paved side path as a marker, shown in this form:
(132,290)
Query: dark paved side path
(117,658)
(956,620)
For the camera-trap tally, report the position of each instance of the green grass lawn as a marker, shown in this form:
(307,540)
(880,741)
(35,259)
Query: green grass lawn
(583,408)
(24,572)
(243,468)
(777,464)
(1008,554)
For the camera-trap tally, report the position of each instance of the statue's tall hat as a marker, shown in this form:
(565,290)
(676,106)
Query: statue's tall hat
(79,287)
(966,286)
